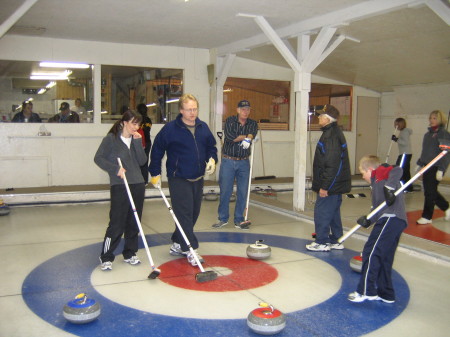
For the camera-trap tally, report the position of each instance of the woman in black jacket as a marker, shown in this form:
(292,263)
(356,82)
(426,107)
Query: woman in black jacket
(431,178)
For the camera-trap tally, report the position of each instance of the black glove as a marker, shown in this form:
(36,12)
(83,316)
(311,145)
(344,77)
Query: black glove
(364,222)
(389,195)
(394,138)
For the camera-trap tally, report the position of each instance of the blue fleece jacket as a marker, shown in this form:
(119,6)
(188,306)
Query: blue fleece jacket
(187,154)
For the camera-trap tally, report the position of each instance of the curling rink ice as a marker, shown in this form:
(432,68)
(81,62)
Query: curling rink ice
(50,254)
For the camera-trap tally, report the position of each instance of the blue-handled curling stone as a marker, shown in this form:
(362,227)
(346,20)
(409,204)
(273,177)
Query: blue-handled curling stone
(81,310)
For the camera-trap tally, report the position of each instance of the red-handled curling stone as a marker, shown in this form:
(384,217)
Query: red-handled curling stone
(266,320)
(356,263)
(258,251)
(81,310)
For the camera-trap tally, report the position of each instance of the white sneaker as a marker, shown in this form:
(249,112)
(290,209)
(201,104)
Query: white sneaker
(106,265)
(132,260)
(337,246)
(357,297)
(317,247)
(384,300)
(191,258)
(423,221)
(175,250)
(447,214)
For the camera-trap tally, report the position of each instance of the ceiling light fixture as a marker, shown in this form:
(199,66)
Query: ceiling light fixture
(64,65)
(42,91)
(50,84)
(51,76)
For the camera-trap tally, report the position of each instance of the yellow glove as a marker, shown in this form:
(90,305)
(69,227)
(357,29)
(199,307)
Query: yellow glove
(439,175)
(156,181)
(210,166)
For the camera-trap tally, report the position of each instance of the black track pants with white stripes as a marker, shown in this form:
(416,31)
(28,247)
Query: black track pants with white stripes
(378,257)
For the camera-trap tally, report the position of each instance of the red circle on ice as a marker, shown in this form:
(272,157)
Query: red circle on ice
(234,273)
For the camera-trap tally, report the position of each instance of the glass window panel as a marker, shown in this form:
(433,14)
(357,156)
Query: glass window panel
(124,87)
(269,101)
(46,95)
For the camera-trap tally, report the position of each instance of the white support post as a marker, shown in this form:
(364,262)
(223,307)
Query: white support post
(97,79)
(321,42)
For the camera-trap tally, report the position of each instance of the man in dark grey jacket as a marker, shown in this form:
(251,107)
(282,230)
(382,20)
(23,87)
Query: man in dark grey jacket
(331,178)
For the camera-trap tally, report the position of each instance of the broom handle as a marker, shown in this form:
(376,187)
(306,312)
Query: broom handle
(400,190)
(390,146)
(249,182)
(147,250)
(181,230)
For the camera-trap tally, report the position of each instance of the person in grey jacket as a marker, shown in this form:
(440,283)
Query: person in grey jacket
(404,150)
(432,177)
(331,178)
(375,283)
(122,141)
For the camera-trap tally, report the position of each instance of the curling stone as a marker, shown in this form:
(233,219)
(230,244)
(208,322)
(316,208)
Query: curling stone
(266,320)
(233,198)
(258,251)
(211,196)
(4,208)
(356,263)
(81,310)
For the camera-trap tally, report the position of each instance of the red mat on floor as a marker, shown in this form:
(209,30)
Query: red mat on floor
(428,232)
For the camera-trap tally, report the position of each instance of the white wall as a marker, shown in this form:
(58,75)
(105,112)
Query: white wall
(414,103)
(66,158)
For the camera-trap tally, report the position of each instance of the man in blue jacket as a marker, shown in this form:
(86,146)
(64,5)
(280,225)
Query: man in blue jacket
(331,178)
(191,153)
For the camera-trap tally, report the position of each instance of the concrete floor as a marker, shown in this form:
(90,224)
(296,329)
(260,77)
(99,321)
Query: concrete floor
(50,254)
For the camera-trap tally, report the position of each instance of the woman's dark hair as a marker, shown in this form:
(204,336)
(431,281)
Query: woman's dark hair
(127,116)
(142,109)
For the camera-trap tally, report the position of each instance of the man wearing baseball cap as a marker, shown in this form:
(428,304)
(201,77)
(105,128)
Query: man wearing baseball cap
(331,178)
(239,132)
(65,116)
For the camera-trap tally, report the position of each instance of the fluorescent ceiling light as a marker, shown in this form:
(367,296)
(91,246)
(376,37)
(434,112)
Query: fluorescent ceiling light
(51,76)
(50,84)
(151,104)
(64,65)
(41,91)
(173,100)
(48,77)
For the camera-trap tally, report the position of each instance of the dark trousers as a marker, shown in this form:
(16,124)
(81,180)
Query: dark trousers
(378,257)
(186,197)
(327,218)
(122,221)
(432,196)
(406,166)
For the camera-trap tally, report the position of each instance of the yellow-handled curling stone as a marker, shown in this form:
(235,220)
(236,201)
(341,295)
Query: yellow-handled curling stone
(4,208)
(258,250)
(81,309)
(266,320)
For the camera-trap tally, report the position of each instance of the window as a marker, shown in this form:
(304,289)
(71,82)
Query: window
(49,87)
(269,101)
(124,87)
(338,95)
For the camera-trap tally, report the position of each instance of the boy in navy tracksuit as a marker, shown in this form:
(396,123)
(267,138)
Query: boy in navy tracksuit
(378,254)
